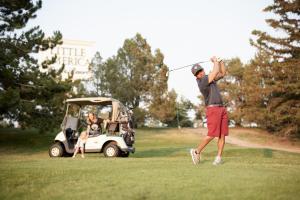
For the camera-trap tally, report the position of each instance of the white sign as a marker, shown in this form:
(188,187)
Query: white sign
(75,54)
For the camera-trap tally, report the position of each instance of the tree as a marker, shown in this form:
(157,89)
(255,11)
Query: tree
(276,71)
(163,108)
(138,70)
(183,107)
(256,77)
(135,76)
(181,118)
(139,117)
(27,95)
(98,75)
(162,103)
(232,87)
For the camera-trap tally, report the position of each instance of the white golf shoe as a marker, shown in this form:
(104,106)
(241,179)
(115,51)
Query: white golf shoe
(217,161)
(195,156)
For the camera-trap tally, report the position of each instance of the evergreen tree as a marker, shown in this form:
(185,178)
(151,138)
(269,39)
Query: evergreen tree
(180,117)
(256,78)
(183,107)
(232,88)
(27,95)
(98,75)
(276,70)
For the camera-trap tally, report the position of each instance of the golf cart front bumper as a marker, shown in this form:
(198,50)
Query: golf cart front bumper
(129,149)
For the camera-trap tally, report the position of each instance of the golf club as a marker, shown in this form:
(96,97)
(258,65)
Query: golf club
(178,68)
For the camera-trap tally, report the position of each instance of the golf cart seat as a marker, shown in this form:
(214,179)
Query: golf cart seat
(112,127)
(69,133)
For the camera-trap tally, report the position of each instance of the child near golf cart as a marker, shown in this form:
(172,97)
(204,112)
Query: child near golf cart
(80,143)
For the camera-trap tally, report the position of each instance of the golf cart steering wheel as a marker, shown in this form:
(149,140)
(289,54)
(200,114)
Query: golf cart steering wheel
(82,123)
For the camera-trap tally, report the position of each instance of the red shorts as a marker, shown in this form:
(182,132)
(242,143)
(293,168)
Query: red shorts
(217,121)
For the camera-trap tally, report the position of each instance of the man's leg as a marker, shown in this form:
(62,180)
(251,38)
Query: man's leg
(195,153)
(211,126)
(203,144)
(221,143)
(224,132)
(210,122)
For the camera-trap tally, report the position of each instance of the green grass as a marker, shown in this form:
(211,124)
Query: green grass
(161,168)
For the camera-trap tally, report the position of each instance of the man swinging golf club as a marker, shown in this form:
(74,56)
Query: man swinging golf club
(217,119)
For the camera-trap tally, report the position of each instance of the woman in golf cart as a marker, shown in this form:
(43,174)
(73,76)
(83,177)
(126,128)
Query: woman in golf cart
(93,129)
(94,125)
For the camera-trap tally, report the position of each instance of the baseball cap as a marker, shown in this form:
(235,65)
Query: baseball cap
(196,68)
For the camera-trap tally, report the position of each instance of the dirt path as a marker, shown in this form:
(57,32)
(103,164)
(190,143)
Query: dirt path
(243,143)
(252,138)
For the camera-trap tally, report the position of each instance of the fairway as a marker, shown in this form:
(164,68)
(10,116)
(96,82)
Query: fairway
(161,168)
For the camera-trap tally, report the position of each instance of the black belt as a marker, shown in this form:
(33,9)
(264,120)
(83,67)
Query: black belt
(215,105)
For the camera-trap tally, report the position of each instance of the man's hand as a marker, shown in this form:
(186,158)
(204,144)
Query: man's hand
(215,71)
(222,71)
(213,59)
(222,68)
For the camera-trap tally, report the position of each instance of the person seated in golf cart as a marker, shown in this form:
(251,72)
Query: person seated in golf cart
(93,129)
(94,125)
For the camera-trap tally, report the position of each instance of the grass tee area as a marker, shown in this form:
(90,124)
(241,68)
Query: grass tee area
(161,168)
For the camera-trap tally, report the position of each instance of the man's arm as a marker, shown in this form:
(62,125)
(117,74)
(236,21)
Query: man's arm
(215,71)
(222,71)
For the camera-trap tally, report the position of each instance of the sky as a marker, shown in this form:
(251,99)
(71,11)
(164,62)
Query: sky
(186,31)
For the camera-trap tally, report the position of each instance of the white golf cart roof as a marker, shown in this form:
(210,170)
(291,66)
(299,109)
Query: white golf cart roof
(93,101)
(118,108)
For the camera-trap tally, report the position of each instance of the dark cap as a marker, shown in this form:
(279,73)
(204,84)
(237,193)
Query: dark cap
(196,68)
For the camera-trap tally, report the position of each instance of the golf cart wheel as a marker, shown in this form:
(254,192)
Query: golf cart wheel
(111,150)
(56,150)
(124,154)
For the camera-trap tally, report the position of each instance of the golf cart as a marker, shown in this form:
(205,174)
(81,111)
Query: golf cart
(116,137)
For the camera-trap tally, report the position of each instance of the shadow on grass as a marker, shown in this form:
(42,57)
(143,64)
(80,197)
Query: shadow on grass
(151,131)
(268,153)
(247,152)
(159,152)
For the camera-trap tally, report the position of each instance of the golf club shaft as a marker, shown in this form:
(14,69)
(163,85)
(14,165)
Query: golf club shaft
(178,68)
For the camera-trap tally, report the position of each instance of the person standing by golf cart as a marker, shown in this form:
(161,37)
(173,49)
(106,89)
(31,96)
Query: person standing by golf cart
(216,114)
(80,143)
